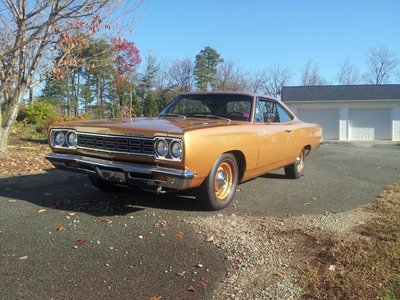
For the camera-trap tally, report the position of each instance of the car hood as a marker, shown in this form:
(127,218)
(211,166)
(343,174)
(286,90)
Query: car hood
(148,127)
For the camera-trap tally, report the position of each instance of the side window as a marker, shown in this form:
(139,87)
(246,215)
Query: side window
(283,114)
(238,110)
(268,107)
(259,117)
(265,107)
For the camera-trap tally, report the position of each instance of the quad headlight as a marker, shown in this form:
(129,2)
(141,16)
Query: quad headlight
(168,148)
(176,149)
(72,139)
(59,138)
(161,147)
(63,138)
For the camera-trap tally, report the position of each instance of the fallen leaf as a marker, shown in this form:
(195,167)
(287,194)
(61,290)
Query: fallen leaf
(155,298)
(307,203)
(12,201)
(108,221)
(332,268)
(280,275)
(41,210)
(210,238)
(81,241)
(71,214)
(191,288)
(180,234)
(60,228)
(23,257)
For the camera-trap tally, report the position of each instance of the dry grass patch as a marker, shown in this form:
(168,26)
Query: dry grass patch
(363,267)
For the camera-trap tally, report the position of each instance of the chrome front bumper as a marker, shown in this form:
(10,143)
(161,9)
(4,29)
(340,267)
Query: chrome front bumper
(150,177)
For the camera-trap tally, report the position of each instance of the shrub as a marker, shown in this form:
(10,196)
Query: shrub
(40,113)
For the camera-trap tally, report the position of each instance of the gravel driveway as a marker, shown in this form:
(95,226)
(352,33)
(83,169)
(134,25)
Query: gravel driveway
(138,245)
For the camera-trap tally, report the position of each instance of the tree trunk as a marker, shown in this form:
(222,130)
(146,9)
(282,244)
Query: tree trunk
(3,144)
(77,95)
(9,118)
(68,98)
(31,95)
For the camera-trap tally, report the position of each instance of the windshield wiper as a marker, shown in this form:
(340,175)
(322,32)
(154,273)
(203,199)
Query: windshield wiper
(210,116)
(172,116)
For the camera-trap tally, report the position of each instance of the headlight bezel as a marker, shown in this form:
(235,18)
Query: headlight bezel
(170,143)
(65,142)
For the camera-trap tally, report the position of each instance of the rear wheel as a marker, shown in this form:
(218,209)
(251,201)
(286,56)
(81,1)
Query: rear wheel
(102,184)
(220,185)
(296,169)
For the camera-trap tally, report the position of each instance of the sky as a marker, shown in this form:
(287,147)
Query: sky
(257,34)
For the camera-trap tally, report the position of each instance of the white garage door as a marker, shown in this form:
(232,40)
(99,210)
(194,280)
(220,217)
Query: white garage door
(370,124)
(327,118)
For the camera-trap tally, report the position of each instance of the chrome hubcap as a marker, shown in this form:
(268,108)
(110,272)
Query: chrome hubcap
(221,179)
(300,163)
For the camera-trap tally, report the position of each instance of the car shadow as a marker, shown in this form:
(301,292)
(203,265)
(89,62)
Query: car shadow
(73,192)
(273,176)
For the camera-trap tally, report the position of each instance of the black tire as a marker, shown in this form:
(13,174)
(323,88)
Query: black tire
(296,169)
(220,185)
(102,184)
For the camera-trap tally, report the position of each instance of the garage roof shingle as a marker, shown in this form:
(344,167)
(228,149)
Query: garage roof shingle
(341,92)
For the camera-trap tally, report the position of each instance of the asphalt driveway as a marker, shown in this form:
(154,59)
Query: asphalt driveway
(136,245)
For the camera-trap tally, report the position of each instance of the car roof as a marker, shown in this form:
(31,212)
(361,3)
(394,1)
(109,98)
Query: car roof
(230,93)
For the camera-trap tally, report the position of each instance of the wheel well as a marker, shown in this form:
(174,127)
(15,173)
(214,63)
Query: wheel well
(241,161)
(308,149)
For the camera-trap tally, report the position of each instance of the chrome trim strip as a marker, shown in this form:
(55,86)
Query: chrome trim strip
(57,158)
(117,152)
(116,136)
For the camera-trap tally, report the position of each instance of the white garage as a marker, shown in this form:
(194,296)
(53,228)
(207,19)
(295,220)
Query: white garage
(370,124)
(349,112)
(327,118)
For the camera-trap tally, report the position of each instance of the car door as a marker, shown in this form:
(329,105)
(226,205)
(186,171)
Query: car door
(274,127)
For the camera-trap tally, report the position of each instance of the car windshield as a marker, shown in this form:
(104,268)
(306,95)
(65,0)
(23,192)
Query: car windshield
(225,106)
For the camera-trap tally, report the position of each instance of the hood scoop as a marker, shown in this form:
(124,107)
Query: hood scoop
(203,123)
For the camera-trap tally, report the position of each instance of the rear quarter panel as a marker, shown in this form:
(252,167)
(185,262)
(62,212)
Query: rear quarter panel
(307,134)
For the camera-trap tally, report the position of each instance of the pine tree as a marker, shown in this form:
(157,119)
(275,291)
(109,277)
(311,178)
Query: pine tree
(149,105)
(205,70)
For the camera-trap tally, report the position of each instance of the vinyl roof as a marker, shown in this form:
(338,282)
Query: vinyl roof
(341,92)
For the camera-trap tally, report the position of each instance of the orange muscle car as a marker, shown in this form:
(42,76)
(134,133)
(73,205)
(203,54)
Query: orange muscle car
(210,141)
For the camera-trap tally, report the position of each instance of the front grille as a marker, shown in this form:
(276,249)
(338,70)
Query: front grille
(119,144)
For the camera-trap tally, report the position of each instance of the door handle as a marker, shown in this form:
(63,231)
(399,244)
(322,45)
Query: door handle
(288,130)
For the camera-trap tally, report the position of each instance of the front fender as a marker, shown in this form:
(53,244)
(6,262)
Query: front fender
(204,146)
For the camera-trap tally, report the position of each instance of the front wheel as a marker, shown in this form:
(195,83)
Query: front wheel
(296,169)
(220,185)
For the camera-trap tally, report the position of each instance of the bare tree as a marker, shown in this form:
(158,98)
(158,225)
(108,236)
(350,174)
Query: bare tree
(381,65)
(181,75)
(230,78)
(29,33)
(348,74)
(310,75)
(272,80)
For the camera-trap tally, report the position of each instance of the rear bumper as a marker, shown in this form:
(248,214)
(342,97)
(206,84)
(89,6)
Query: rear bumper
(124,173)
